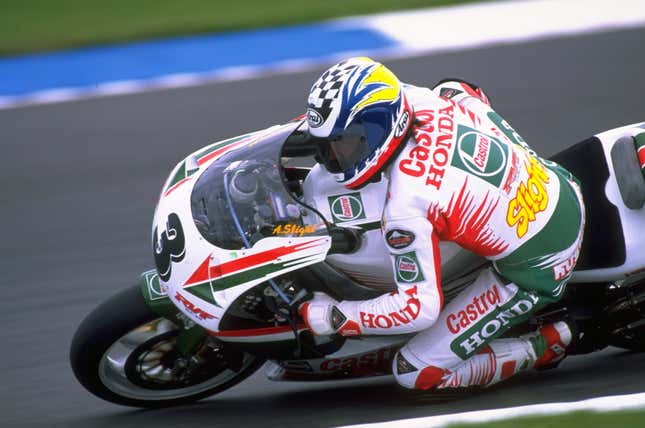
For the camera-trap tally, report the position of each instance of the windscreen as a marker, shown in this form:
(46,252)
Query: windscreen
(241,198)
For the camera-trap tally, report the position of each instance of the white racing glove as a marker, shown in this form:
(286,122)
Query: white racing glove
(317,314)
(323,317)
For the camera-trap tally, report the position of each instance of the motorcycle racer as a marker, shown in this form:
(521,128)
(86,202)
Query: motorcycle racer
(458,172)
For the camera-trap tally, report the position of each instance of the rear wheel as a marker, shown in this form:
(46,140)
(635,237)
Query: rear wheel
(124,353)
(626,318)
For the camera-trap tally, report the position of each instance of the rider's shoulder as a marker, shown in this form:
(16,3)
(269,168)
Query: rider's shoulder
(422,98)
(406,196)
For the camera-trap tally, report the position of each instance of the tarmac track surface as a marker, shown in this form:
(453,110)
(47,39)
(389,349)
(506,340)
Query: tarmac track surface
(79,182)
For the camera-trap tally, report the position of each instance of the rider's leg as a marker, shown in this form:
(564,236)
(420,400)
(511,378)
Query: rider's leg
(503,358)
(461,342)
(459,349)
(534,275)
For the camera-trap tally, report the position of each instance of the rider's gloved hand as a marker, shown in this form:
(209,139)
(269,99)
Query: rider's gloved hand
(323,317)
(317,314)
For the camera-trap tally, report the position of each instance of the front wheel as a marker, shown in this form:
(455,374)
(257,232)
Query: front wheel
(125,353)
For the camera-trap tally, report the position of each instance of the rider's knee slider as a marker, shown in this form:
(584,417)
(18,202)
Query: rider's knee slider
(409,376)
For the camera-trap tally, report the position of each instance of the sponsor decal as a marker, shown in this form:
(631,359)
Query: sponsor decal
(488,327)
(406,315)
(346,207)
(365,364)
(563,270)
(399,238)
(407,268)
(530,199)
(480,305)
(481,155)
(192,308)
(155,290)
(449,92)
(168,246)
(314,119)
(402,126)
(434,135)
(293,229)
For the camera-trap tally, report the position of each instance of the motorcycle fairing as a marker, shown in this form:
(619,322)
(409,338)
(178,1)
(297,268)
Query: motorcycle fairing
(185,170)
(202,279)
(613,247)
(353,359)
(603,245)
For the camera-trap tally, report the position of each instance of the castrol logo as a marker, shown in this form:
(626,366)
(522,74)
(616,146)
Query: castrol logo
(346,207)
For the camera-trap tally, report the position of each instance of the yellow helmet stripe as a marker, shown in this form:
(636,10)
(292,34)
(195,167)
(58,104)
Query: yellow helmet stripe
(388,90)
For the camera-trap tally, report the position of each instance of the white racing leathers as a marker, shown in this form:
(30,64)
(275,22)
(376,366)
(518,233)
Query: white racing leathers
(466,176)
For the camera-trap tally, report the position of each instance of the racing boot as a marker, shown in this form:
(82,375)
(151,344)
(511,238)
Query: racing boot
(555,339)
(503,358)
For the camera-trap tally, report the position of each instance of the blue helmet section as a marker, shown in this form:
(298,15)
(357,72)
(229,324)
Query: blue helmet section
(358,93)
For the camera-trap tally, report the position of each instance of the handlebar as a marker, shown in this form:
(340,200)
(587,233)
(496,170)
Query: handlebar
(344,240)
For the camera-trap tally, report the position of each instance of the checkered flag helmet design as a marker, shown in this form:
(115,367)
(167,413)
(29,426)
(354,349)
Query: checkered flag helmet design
(359,109)
(326,91)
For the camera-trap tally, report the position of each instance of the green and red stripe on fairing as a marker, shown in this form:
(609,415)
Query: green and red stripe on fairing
(217,150)
(206,279)
(247,262)
(256,331)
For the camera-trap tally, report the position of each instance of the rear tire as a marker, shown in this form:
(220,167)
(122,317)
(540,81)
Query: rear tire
(124,353)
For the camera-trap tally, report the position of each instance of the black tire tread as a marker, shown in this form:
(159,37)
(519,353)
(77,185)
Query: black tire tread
(107,323)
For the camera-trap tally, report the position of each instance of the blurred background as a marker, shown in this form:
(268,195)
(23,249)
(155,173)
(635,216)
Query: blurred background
(43,25)
(80,179)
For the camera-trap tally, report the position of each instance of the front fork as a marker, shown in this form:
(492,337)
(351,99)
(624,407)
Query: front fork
(190,334)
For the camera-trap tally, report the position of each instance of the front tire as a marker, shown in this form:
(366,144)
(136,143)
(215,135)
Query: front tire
(124,353)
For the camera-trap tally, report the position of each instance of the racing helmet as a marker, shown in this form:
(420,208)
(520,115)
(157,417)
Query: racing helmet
(360,116)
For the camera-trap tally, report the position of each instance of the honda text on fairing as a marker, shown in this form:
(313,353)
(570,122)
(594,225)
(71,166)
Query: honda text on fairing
(241,237)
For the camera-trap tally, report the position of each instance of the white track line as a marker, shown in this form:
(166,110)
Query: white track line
(468,26)
(602,404)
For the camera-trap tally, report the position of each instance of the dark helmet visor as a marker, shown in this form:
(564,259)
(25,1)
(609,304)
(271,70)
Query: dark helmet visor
(355,144)
(350,147)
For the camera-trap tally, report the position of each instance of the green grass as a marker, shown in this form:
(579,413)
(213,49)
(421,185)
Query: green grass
(40,25)
(627,419)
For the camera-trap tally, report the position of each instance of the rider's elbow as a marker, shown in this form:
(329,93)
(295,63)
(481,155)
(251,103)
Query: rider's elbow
(427,317)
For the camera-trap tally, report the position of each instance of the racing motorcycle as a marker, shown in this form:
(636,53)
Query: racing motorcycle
(243,233)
